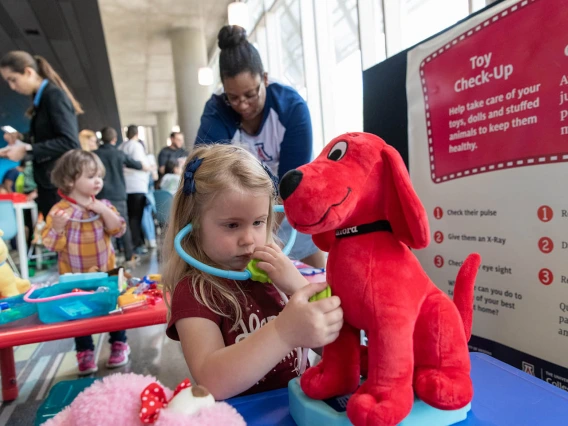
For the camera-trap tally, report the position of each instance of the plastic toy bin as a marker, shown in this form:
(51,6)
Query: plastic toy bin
(76,305)
(19,309)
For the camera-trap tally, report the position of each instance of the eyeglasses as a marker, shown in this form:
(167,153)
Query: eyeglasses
(248,98)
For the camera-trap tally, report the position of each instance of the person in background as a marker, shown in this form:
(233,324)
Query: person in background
(148,226)
(269,119)
(15,181)
(137,182)
(79,229)
(174,152)
(114,188)
(12,178)
(30,186)
(53,127)
(170,180)
(88,140)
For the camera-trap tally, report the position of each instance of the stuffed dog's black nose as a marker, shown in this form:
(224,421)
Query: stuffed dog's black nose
(290,182)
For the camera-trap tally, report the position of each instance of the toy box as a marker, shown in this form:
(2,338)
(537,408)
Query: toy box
(76,296)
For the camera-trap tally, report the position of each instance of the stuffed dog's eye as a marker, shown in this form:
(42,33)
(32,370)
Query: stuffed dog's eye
(338,151)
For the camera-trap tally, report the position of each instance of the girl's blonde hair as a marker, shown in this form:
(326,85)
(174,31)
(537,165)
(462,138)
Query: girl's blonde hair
(70,167)
(224,167)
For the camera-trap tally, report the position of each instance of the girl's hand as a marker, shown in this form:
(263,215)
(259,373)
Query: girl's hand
(59,221)
(279,268)
(97,206)
(32,195)
(11,138)
(13,152)
(310,324)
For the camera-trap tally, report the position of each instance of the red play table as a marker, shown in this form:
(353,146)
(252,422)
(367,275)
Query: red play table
(36,332)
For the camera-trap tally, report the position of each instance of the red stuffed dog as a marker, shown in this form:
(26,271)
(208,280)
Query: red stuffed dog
(357,201)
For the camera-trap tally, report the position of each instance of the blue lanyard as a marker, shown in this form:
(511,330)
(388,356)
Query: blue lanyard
(37,96)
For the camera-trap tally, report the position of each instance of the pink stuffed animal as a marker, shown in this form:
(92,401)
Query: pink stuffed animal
(125,399)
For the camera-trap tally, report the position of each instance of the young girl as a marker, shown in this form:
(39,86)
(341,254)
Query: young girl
(79,228)
(238,337)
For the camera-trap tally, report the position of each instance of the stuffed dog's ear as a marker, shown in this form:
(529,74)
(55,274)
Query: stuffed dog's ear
(324,240)
(404,209)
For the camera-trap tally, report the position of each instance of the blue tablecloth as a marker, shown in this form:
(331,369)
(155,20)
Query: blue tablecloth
(503,396)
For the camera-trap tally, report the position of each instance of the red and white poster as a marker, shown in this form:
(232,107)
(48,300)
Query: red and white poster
(505,104)
(488,152)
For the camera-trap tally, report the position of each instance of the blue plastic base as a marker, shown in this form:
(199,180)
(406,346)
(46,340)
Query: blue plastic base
(332,412)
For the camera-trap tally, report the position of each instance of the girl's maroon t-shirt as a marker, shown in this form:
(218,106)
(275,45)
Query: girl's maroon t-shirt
(262,304)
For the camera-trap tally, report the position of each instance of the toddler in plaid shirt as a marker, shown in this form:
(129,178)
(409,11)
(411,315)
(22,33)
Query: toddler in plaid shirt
(79,229)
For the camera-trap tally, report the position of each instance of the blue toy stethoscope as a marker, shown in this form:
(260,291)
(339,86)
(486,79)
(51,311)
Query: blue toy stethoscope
(238,275)
(231,275)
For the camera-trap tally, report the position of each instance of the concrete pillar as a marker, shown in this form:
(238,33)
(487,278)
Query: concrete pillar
(156,139)
(149,140)
(165,121)
(189,54)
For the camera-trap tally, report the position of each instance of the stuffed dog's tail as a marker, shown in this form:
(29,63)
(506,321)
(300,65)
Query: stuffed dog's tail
(464,290)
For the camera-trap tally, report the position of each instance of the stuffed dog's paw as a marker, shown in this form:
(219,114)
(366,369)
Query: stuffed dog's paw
(445,390)
(380,406)
(320,383)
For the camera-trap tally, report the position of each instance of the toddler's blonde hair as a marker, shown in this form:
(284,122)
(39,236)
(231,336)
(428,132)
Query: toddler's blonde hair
(71,166)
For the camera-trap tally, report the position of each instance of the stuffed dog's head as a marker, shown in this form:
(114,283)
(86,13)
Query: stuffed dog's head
(357,179)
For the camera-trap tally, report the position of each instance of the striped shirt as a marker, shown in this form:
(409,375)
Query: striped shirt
(83,245)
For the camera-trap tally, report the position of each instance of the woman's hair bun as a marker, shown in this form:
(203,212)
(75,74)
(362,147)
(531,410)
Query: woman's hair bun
(231,36)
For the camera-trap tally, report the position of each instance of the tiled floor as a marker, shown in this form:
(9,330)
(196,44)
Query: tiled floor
(41,365)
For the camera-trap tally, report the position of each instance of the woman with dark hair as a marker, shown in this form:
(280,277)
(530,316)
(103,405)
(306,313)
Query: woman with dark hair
(53,127)
(267,118)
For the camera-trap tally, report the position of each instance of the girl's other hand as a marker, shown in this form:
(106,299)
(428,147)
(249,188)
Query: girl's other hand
(59,221)
(96,206)
(32,195)
(310,324)
(279,268)
(11,138)
(14,152)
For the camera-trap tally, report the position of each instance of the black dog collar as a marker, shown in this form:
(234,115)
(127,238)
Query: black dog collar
(379,225)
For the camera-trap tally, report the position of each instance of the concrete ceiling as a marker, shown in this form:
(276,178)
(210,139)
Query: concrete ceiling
(69,35)
(140,54)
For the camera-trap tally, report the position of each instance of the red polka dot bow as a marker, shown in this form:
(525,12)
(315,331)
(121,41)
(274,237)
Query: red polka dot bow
(153,399)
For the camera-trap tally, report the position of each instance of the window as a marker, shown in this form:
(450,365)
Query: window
(347,74)
(420,19)
(476,5)
(259,41)
(341,78)
(290,53)
(372,32)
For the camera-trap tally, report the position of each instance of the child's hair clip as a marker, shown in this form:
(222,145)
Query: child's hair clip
(273,178)
(189,176)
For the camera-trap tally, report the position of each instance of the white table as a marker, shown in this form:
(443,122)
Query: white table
(22,247)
